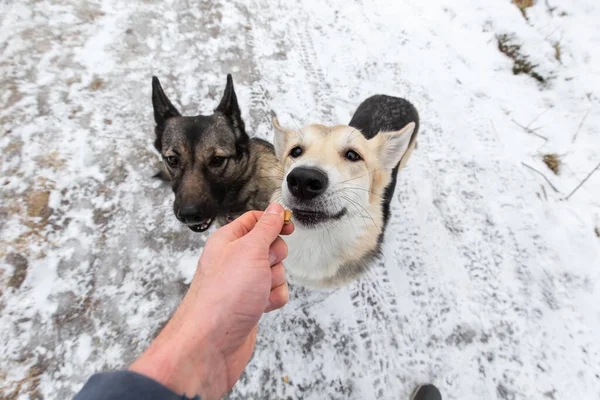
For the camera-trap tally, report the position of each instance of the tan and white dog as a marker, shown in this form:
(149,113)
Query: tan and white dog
(335,180)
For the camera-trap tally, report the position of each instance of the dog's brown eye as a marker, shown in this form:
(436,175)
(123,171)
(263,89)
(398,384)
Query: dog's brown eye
(172,161)
(353,156)
(217,161)
(296,152)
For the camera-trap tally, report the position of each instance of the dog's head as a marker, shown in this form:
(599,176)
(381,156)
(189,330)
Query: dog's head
(331,173)
(206,156)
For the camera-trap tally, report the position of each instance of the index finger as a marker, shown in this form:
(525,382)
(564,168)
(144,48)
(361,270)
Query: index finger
(241,226)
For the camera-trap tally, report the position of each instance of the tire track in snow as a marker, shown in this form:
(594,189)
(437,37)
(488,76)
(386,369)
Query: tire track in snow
(316,78)
(375,307)
(423,307)
(259,105)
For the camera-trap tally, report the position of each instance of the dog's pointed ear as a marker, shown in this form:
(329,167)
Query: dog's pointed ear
(393,145)
(163,109)
(230,108)
(280,137)
(229,104)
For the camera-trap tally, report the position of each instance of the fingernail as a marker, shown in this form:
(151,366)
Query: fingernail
(274,209)
(272,258)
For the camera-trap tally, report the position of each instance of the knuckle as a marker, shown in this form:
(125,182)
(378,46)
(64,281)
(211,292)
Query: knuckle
(248,213)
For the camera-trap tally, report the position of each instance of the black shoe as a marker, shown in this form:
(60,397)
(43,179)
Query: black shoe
(426,392)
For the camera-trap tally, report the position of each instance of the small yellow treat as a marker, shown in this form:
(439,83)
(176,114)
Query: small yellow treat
(287,217)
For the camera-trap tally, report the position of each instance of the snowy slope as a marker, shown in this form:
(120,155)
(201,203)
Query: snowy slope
(489,285)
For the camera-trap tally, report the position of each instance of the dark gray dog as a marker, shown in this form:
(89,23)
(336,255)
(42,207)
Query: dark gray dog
(216,170)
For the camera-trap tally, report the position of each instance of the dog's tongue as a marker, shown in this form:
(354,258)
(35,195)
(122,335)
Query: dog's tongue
(201,227)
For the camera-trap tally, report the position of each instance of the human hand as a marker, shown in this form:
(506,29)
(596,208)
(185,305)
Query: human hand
(206,345)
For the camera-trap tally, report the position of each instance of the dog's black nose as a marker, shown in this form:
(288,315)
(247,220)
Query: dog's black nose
(190,214)
(307,183)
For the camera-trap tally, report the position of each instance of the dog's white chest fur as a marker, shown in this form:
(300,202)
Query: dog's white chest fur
(316,255)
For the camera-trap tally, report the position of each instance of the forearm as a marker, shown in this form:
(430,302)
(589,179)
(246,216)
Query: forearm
(205,347)
(182,363)
(184,357)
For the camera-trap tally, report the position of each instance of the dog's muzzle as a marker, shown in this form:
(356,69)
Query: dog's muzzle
(201,227)
(191,216)
(306,186)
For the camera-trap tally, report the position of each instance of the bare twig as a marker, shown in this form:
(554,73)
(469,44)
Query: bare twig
(544,191)
(550,8)
(536,118)
(580,126)
(582,182)
(494,129)
(530,131)
(533,130)
(551,33)
(543,176)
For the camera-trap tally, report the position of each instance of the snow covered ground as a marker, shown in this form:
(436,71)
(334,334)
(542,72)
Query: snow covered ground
(490,282)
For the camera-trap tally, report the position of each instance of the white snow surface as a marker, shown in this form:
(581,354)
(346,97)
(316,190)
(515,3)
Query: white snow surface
(489,283)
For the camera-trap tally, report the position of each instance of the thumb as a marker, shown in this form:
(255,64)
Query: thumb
(268,227)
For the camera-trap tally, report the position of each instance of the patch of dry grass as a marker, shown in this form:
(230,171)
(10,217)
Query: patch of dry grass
(37,204)
(96,84)
(523,6)
(51,160)
(523,3)
(521,63)
(20,266)
(29,386)
(557,51)
(553,162)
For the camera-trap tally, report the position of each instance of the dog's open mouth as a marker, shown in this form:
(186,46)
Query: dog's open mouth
(202,226)
(312,217)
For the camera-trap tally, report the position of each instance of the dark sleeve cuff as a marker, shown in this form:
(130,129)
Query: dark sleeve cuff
(128,385)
